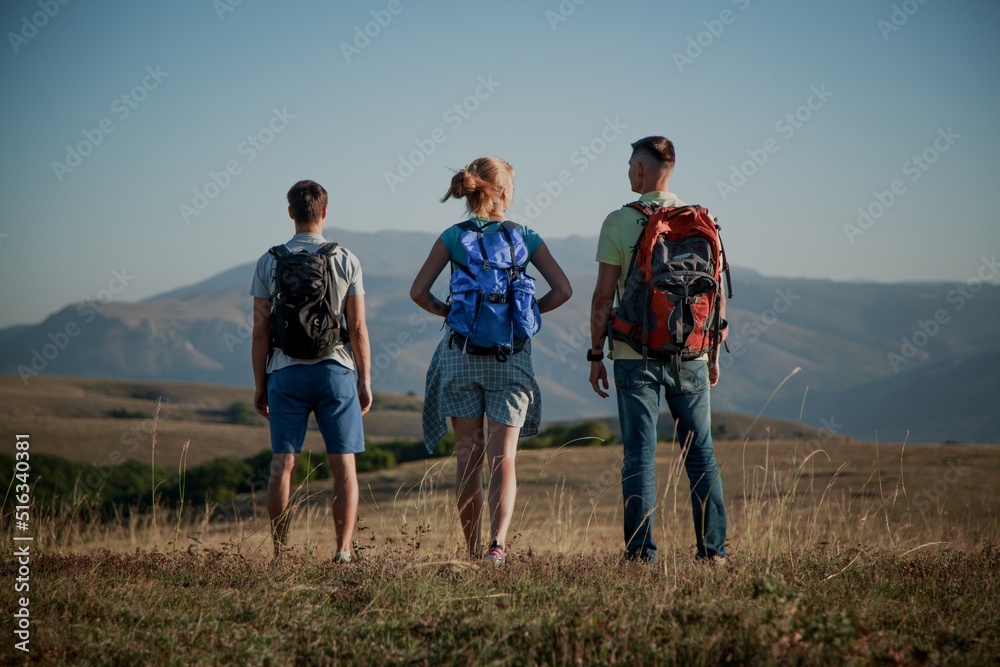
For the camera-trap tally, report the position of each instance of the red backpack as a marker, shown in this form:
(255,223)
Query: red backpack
(672,306)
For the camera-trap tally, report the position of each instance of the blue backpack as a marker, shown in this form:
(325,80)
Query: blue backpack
(493,307)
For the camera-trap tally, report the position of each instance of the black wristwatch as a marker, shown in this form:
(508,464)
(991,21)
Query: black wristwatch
(595,357)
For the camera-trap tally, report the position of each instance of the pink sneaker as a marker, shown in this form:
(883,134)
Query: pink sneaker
(495,555)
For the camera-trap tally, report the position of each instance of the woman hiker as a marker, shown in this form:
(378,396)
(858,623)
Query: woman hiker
(482,366)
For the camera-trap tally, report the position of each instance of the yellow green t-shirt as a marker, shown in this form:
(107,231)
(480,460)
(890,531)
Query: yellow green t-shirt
(619,234)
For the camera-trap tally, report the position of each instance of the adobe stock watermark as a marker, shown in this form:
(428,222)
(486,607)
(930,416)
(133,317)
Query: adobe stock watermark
(61,338)
(223,7)
(385,354)
(751,330)
(898,17)
(246,152)
(698,44)
(933,495)
(30,25)
(128,443)
(957,298)
(454,116)
(828,430)
(915,167)
(571,350)
(121,108)
(562,12)
(581,158)
(596,489)
(363,35)
(786,127)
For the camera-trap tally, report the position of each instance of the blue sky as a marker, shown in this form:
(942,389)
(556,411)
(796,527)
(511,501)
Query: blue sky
(121,120)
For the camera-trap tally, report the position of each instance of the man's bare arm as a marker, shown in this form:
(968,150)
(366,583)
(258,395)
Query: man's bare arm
(357,332)
(260,346)
(600,312)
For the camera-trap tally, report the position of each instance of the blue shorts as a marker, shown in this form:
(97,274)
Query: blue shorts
(327,389)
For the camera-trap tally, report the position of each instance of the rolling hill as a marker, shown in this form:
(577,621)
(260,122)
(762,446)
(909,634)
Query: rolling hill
(876,360)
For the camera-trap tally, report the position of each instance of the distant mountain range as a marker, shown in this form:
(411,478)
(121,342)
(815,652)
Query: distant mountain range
(879,360)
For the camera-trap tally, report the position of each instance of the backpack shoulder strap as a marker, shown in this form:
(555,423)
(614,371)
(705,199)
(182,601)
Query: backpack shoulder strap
(725,260)
(506,231)
(468,226)
(646,208)
(279,251)
(328,249)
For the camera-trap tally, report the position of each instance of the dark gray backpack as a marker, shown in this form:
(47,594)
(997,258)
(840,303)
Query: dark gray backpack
(305,323)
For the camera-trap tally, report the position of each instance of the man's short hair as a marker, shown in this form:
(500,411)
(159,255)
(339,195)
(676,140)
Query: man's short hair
(307,199)
(657,151)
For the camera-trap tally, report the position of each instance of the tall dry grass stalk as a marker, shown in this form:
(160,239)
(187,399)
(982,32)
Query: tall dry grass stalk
(152,461)
(773,515)
(783,506)
(181,479)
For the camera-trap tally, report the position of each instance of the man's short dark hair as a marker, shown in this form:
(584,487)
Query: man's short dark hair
(659,150)
(307,199)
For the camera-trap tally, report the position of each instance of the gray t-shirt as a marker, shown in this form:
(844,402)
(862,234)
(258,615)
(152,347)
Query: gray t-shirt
(347,272)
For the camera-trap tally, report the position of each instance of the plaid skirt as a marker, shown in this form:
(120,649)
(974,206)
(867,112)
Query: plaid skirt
(468,385)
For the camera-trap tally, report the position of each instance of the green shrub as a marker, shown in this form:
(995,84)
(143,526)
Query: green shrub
(312,465)
(375,458)
(214,481)
(446,446)
(591,432)
(594,431)
(242,413)
(260,470)
(124,413)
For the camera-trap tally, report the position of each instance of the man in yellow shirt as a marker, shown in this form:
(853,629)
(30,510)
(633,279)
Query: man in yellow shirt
(638,383)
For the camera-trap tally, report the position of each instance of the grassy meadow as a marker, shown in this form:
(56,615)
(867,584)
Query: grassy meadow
(841,553)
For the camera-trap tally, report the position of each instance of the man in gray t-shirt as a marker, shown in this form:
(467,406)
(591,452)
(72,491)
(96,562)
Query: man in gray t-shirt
(336,387)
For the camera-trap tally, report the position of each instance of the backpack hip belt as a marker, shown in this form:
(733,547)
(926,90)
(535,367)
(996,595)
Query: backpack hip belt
(501,352)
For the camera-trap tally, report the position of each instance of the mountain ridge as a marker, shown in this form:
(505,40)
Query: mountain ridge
(842,336)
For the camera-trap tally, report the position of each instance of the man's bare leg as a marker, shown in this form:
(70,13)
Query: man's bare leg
(279,491)
(345,499)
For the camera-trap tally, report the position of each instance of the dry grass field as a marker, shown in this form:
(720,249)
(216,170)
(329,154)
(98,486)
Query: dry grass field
(843,553)
(71,417)
(569,500)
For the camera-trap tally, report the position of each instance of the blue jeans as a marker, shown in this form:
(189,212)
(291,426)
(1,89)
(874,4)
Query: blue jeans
(638,390)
